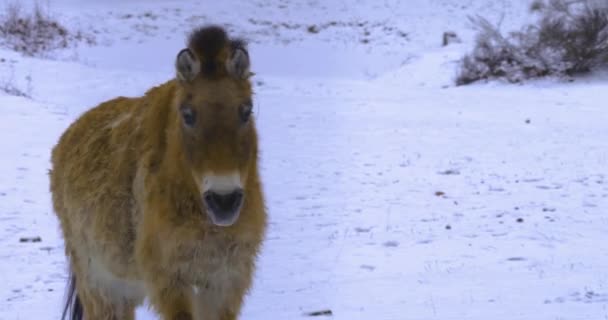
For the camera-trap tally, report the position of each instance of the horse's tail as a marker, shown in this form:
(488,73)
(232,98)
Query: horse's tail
(73,308)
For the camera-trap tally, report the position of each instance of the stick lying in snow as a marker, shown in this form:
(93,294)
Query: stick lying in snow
(320,313)
(30,239)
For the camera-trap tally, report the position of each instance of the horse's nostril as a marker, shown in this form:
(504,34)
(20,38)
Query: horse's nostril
(223,203)
(208,197)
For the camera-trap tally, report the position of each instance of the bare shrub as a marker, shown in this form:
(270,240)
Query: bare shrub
(9,85)
(36,32)
(12,90)
(570,37)
(537,5)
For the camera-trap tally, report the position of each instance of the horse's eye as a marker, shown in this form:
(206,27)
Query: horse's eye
(245,112)
(189,116)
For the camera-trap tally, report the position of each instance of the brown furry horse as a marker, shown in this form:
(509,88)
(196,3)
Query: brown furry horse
(160,197)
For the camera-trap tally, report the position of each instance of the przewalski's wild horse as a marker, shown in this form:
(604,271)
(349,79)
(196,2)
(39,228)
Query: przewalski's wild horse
(160,197)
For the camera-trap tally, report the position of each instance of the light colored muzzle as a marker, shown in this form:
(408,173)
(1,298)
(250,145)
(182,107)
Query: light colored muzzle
(223,197)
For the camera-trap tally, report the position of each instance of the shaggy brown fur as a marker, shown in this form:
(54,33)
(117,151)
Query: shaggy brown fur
(128,181)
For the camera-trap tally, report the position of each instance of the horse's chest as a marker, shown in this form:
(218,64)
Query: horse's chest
(219,266)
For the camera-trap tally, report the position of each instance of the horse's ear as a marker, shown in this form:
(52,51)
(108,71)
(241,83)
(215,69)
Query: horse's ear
(187,65)
(238,62)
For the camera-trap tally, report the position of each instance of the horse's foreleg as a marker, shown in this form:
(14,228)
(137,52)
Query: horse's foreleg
(170,300)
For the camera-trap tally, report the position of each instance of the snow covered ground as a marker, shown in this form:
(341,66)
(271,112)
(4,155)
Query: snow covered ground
(392,194)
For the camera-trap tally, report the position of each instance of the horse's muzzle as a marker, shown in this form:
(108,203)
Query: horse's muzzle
(223,208)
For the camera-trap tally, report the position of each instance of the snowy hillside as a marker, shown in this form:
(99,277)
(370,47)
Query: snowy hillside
(392,193)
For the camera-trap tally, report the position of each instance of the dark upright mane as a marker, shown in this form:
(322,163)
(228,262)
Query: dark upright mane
(212,46)
(208,44)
